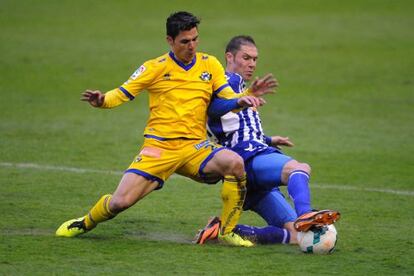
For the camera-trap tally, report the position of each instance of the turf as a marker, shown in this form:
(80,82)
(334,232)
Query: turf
(346,100)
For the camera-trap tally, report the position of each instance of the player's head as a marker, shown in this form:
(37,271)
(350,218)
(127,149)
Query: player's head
(182,35)
(241,56)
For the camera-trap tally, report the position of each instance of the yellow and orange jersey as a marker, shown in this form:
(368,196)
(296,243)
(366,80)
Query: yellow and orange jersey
(179,94)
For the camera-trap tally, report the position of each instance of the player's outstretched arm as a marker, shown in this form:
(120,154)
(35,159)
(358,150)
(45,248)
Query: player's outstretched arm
(218,107)
(265,85)
(94,97)
(250,101)
(281,141)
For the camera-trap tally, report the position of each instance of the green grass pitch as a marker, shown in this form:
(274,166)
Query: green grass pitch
(346,100)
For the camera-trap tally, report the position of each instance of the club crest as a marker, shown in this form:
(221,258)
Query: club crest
(205,76)
(167,76)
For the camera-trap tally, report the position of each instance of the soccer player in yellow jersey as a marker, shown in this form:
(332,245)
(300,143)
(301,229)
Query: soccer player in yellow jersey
(181,84)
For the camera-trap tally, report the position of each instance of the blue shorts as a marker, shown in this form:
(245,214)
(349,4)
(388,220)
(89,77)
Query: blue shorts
(264,172)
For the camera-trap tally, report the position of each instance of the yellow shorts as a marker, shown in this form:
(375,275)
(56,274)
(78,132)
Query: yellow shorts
(158,160)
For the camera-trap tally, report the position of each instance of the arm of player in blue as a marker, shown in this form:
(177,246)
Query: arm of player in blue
(218,107)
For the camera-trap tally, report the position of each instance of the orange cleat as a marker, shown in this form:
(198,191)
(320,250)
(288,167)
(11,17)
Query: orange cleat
(316,218)
(209,232)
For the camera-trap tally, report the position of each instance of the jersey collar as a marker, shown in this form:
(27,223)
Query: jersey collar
(181,64)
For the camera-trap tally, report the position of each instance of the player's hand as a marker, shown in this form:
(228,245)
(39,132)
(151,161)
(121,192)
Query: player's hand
(265,85)
(250,101)
(281,141)
(94,97)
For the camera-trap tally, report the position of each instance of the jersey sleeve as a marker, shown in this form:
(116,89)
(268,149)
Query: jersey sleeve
(114,98)
(137,82)
(268,140)
(218,107)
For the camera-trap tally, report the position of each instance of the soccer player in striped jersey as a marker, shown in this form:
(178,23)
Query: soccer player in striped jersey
(180,84)
(267,167)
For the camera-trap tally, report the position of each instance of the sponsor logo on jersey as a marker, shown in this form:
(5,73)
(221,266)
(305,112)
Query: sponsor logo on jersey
(205,76)
(204,57)
(138,72)
(206,144)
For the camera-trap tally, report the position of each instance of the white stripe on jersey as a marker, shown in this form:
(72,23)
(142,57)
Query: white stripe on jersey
(233,128)
(243,126)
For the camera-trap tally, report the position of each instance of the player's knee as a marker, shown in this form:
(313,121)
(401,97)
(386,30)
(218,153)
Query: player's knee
(294,165)
(306,168)
(235,166)
(226,162)
(119,204)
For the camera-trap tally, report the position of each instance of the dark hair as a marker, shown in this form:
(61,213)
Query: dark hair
(180,21)
(236,42)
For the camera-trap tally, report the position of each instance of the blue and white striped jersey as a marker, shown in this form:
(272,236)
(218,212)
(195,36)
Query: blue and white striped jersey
(241,131)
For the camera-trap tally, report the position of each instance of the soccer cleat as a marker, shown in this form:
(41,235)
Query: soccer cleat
(209,232)
(72,228)
(317,219)
(234,240)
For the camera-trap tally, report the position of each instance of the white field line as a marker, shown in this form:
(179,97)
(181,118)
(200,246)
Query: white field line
(55,168)
(82,170)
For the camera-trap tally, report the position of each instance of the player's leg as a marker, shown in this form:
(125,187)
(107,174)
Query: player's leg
(131,188)
(279,215)
(146,173)
(263,197)
(229,165)
(273,208)
(211,161)
(264,235)
(296,176)
(264,174)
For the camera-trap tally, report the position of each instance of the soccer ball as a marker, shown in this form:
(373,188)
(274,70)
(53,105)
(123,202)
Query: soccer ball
(318,240)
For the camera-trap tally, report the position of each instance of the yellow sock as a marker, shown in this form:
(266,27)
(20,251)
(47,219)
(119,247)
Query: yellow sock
(99,213)
(233,194)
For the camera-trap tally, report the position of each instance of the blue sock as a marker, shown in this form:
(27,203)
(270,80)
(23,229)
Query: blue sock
(298,189)
(265,235)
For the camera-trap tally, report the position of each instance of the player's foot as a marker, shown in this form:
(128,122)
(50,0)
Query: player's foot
(234,240)
(72,228)
(316,218)
(209,232)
